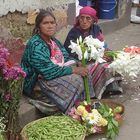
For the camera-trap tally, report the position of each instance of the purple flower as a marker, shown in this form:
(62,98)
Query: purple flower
(3,52)
(13,73)
(7,97)
(77,103)
(2,63)
(98,129)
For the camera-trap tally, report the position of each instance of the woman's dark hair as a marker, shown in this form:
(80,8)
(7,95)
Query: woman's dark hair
(42,13)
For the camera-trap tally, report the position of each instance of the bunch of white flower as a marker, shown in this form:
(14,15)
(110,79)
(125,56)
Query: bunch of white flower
(91,47)
(126,64)
(88,49)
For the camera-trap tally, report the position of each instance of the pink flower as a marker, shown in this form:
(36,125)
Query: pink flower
(4,53)
(72,111)
(98,129)
(14,72)
(77,103)
(73,114)
(2,63)
(7,97)
(76,117)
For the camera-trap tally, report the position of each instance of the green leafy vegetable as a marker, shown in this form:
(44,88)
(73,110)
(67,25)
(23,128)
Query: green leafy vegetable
(113,126)
(112,54)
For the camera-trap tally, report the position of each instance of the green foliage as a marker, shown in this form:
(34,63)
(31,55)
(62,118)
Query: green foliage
(113,126)
(11,81)
(10,94)
(111,54)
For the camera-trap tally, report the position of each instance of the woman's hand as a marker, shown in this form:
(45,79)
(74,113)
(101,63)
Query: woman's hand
(83,71)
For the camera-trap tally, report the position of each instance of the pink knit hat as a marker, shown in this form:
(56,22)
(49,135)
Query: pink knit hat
(87,10)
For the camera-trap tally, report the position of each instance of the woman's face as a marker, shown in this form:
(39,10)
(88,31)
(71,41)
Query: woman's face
(47,26)
(85,21)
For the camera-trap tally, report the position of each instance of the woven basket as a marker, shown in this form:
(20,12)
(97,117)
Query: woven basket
(110,103)
(24,135)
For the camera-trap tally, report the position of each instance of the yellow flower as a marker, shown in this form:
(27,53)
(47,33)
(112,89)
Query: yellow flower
(93,130)
(81,110)
(110,110)
(85,103)
(95,111)
(102,122)
(85,113)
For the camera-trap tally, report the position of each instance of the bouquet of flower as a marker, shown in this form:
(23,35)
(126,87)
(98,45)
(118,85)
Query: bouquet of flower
(98,118)
(127,62)
(11,81)
(88,49)
(94,117)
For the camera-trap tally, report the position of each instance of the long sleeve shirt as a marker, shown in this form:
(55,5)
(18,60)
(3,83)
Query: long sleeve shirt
(36,61)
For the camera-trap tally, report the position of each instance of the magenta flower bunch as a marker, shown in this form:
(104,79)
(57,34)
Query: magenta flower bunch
(11,82)
(13,73)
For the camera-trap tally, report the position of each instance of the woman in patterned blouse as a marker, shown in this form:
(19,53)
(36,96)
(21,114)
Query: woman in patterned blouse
(47,63)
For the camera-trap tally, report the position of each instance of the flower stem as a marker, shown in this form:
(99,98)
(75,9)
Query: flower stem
(86,85)
(87,89)
(1,136)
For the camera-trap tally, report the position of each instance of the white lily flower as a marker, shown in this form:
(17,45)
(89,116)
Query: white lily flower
(76,48)
(90,41)
(94,52)
(80,39)
(93,48)
(93,118)
(132,74)
(101,51)
(127,64)
(86,55)
(100,60)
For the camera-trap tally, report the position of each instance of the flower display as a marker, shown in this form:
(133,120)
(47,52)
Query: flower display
(88,49)
(97,118)
(101,117)
(126,62)
(11,81)
(132,49)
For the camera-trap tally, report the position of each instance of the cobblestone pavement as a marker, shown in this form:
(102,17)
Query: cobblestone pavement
(129,35)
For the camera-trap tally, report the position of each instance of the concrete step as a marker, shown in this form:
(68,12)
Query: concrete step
(31,110)
(27,112)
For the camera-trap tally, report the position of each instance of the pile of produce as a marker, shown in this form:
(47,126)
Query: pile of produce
(54,128)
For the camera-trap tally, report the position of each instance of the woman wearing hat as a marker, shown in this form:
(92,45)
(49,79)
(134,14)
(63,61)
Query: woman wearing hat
(86,24)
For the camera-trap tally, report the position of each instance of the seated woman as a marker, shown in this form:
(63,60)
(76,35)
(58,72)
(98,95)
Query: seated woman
(47,63)
(102,79)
